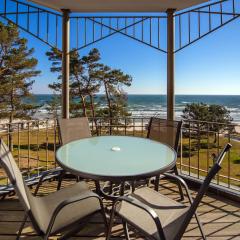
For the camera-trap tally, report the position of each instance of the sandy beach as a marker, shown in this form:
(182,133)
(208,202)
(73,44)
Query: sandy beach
(136,126)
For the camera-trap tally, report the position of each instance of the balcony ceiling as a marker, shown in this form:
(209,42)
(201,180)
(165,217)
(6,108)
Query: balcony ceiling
(84,6)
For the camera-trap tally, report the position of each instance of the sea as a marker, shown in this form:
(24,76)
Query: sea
(141,105)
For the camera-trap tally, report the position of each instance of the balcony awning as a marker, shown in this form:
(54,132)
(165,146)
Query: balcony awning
(93,6)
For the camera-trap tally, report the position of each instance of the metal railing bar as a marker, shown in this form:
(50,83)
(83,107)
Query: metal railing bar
(229,162)
(123,17)
(18,13)
(203,35)
(32,34)
(150,30)
(35,7)
(189,27)
(180,31)
(47,26)
(56,32)
(101,28)
(233,6)
(204,171)
(28,139)
(47,141)
(18,137)
(136,126)
(210,19)
(38,146)
(198,149)
(208,165)
(110,25)
(85,32)
(28,18)
(158,32)
(221,12)
(5,7)
(202,7)
(217,13)
(98,40)
(93,29)
(38,23)
(120,31)
(77,32)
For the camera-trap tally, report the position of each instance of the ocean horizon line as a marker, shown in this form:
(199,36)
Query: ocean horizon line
(148,94)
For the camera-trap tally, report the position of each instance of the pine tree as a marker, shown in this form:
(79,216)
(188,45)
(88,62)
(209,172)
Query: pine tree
(53,106)
(87,76)
(92,80)
(76,81)
(206,118)
(17,68)
(113,81)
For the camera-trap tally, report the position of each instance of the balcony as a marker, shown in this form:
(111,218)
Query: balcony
(34,144)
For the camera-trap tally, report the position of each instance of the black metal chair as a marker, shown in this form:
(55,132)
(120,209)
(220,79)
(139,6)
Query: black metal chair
(63,211)
(168,132)
(158,217)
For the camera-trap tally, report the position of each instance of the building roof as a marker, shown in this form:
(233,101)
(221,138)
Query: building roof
(84,6)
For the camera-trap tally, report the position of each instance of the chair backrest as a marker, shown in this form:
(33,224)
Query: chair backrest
(73,129)
(211,174)
(9,165)
(165,131)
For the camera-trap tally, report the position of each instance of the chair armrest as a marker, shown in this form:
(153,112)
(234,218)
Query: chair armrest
(70,201)
(55,171)
(144,207)
(181,181)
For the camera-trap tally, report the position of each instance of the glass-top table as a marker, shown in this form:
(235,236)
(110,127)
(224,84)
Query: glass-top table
(116,158)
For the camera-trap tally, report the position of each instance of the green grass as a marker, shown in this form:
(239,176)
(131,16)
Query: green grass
(202,158)
(40,152)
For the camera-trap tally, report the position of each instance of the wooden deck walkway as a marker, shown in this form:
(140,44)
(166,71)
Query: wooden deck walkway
(220,218)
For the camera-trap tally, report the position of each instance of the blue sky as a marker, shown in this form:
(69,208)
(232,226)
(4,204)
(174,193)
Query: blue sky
(210,66)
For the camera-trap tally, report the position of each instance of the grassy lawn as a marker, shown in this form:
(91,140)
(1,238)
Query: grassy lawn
(202,157)
(33,150)
(37,149)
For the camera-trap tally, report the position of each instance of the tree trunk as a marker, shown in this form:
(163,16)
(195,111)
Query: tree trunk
(109,107)
(84,106)
(10,131)
(93,112)
(215,138)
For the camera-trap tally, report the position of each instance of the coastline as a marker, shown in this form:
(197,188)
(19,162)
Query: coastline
(141,105)
(137,124)
(144,106)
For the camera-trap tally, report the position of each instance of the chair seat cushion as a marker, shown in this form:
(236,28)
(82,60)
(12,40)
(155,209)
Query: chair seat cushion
(43,207)
(171,213)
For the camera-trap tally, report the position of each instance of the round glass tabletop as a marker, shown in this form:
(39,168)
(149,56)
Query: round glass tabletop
(116,157)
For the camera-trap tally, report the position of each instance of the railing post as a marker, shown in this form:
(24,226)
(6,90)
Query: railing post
(181,150)
(65,63)
(170,64)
